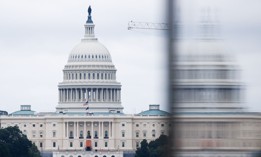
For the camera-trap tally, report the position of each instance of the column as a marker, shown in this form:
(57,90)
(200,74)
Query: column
(102,94)
(59,95)
(91,95)
(99,131)
(67,95)
(76,95)
(102,130)
(114,97)
(119,94)
(74,130)
(82,97)
(64,130)
(62,95)
(110,94)
(109,130)
(92,134)
(67,123)
(84,130)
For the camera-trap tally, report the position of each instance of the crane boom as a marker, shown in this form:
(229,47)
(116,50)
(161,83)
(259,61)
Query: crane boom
(147,25)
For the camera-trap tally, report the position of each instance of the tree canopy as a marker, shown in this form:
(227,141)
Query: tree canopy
(13,143)
(157,148)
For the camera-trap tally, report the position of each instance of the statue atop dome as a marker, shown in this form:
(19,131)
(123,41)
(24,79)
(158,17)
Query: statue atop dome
(89,10)
(89,20)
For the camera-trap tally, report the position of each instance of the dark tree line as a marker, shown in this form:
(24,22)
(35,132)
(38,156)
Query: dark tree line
(157,148)
(13,143)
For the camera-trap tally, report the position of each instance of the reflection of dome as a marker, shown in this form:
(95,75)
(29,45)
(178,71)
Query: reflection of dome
(89,50)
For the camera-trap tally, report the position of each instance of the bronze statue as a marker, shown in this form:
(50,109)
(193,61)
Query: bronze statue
(89,10)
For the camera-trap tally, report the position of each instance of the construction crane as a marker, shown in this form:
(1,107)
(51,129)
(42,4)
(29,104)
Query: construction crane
(147,25)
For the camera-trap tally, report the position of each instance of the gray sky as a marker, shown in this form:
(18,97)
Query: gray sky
(36,38)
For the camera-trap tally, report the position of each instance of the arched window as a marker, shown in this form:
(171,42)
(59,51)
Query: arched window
(82,56)
(98,76)
(112,156)
(106,134)
(95,134)
(76,76)
(96,56)
(89,76)
(96,156)
(79,156)
(104,155)
(93,76)
(84,76)
(80,76)
(62,156)
(85,56)
(105,76)
(102,76)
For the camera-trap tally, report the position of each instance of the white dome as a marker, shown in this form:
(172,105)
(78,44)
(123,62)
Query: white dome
(89,50)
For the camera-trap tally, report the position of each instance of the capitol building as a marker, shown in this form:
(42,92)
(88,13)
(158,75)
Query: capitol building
(210,120)
(89,119)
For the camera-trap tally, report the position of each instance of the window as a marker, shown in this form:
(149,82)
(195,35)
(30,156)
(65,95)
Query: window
(88,134)
(54,125)
(123,144)
(81,134)
(105,144)
(95,134)
(71,144)
(81,144)
(137,144)
(54,133)
(41,144)
(144,125)
(89,76)
(122,134)
(25,125)
(137,134)
(106,134)
(41,125)
(144,134)
(33,125)
(137,125)
(95,144)
(54,144)
(162,125)
(153,125)
(153,133)
(122,124)
(98,76)
(93,76)
(71,134)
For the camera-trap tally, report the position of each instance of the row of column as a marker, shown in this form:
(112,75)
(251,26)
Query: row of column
(90,94)
(77,127)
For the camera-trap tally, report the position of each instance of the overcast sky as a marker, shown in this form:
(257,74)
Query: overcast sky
(36,38)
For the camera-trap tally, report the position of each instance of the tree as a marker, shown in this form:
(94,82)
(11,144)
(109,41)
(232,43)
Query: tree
(13,143)
(157,148)
(143,151)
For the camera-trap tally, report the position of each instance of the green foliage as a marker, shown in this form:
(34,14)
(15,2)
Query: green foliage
(13,143)
(157,148)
